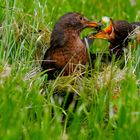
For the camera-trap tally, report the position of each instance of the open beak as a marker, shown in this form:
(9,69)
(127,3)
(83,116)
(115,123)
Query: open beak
(93,24)
(105,33)
(101,35)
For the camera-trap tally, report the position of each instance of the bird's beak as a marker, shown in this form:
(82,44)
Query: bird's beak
(101,35)
(105,33)
(93,24)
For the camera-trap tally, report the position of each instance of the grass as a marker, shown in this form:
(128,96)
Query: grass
(109,106)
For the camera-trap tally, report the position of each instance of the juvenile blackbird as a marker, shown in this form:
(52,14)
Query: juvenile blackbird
(117,34)
(67,50)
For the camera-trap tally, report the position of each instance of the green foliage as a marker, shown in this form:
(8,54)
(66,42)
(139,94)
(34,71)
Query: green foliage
(108,107)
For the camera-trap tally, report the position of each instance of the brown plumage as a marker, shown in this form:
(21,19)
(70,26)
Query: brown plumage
(66,48)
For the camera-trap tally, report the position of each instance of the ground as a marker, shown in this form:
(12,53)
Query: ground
(109,106)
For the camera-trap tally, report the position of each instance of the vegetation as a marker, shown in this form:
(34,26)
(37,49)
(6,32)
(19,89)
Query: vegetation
(108,107)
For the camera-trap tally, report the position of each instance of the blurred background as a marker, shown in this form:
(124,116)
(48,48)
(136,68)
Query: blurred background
(26,104)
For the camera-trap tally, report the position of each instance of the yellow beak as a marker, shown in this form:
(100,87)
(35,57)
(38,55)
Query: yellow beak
(104,34)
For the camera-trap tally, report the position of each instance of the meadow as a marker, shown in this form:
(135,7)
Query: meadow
(109,100)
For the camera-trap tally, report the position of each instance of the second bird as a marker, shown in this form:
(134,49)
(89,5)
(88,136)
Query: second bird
(118,34)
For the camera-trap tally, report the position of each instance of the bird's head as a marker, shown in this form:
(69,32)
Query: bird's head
(70,24)
(76,21)
(116,32)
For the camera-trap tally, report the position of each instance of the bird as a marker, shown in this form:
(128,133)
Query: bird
(118,34)
(67,49)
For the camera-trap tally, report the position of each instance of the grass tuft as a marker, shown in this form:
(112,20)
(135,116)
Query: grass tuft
(108,95)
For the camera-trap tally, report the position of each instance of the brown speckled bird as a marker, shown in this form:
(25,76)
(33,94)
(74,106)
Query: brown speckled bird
(67,50)
(117,34)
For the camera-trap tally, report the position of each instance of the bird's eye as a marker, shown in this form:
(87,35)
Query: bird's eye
(81,18)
